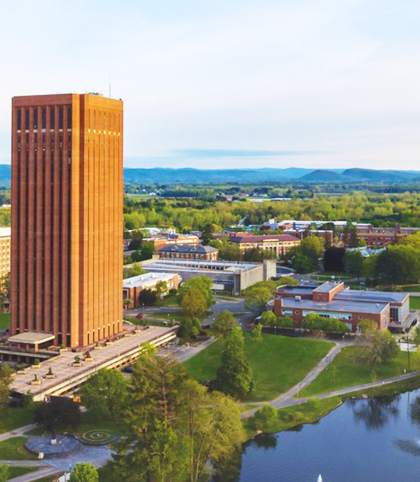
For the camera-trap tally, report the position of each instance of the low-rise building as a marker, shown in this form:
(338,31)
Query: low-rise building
(160,241)
(226,275)
(132,287)
(335,300)
(278,244)
(189,251)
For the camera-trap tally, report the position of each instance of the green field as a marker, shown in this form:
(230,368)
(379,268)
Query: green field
(278,363)
(4,320)
(14,449)
(414,302)
(18,471)
(347,371)
(12,418)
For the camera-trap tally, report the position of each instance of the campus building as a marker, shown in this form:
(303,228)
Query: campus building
(334,300)
(227,276)
(278,244)
(132,287)
(5,234)
(189,251)
(67,218)
(171,239)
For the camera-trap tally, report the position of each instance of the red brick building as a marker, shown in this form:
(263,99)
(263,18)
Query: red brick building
(334,300)
(189,251)
(67,217)
(278,244)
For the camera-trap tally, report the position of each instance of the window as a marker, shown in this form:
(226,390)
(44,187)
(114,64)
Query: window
(395,315)
(44,118)
(52,117)
(35,113)
(27,119)
(60,118)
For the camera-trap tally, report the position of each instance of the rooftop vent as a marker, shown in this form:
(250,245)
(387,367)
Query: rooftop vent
(298,298)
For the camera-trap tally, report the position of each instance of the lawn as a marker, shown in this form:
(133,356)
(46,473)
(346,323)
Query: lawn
(13,449)
(414,302)
(169,300)
(4,320)
(347,371)
(278,363)
(12,418)
(18,471)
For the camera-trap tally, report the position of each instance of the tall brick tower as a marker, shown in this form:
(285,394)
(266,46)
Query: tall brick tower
(67,217)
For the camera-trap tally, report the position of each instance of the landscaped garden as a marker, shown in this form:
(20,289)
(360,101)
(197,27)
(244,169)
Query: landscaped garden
(278,363)
(348,369)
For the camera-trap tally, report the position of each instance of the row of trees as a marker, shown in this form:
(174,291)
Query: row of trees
(174,429)
(305,258)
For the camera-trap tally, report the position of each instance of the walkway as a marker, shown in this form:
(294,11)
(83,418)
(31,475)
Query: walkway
(17,432)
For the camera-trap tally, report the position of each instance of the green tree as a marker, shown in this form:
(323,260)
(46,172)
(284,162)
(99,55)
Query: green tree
(256,333)
(105,393)
(265,417)
(58,413)
(147,297)
(194,303)
(234,377)
(303,264)
(4,473)
(5,381)
(257,297)
(268,318)
(190,328)
(224,324)
(203,284)
(84,472)
(161,289)
(353,263)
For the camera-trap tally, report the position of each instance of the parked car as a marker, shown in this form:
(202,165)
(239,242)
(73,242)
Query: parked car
(128,369)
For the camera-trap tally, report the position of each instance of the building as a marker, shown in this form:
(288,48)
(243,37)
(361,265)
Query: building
(227,276)
(132,287)
(334,300)
(278,244)
(5,234)
(382,237)
(67,217)
(189,251)
(328,235)
(170,239)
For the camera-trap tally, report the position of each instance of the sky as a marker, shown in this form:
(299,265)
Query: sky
(229,84)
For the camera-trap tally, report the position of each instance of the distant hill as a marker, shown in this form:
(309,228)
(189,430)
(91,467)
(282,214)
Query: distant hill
(322,175)
(264,175)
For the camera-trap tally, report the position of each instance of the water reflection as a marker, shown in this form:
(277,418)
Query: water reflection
(375,413)
(266,441)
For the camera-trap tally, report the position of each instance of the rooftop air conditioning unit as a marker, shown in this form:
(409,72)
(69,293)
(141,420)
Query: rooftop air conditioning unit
(298,298)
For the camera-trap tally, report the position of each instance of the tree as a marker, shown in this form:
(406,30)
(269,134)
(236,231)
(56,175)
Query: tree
(161,289)
(58,413)
(234,377)
(333,259)
(105,393)
(257,297)
(4,473)
(377,346)
(207,233)
(5,381)
(153,448)
(303,264)
(203,284)
(268,318)
(224,324)
(353,263)
(147,297)
(258,255)
(84,472)
(256,333)
(194,303)
(4,290)
(285,322)
(136,239)
(265,417)
(353,238)
(190,328)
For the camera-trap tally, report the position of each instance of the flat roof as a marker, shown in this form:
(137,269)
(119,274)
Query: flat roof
(31,337)
(147,279)
(327,287)
(374,296)
(195,265)
(335,306)
(5,232)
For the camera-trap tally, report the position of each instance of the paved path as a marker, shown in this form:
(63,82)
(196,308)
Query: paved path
(289,396)
(43,472)
(183,352)
(17,432)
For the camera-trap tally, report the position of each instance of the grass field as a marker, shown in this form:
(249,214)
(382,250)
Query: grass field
(4,320)
(168,301)
(12,418)
(347,371)
(18,471)
(278,363)
(414,302)
(13,449)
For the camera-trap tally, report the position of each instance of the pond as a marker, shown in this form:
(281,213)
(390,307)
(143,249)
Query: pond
(371,440)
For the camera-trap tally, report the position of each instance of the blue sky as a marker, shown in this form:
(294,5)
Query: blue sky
(306,83)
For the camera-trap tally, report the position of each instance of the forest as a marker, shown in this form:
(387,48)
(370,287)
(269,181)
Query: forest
(188,214)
